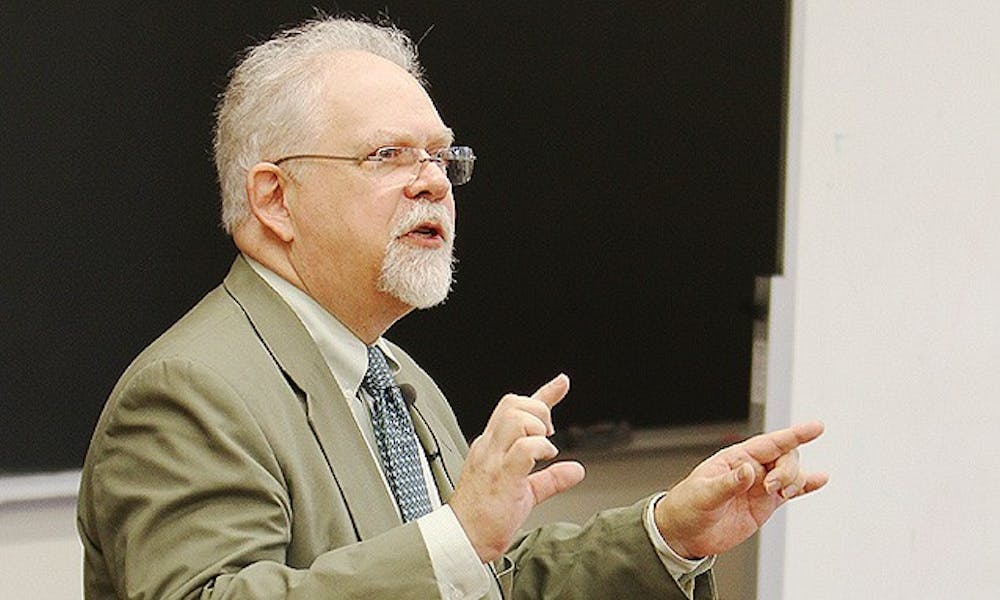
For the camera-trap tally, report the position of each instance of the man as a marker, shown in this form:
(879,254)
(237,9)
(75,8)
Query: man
(272,444)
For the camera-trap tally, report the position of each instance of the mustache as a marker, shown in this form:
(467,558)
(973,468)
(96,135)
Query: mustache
(425,212)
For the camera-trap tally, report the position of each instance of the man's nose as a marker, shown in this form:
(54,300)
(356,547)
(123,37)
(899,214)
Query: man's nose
(430,182)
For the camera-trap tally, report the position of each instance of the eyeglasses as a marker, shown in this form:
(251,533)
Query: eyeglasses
(455,161)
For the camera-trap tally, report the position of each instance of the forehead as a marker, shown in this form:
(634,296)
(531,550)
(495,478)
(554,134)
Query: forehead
(368,99)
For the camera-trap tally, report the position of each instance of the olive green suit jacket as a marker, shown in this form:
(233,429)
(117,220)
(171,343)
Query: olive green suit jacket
(227,464)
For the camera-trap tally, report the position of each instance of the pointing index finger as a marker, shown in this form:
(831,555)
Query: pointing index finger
(552,392)
(768,447)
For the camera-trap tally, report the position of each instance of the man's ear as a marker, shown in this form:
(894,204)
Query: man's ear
(267,187)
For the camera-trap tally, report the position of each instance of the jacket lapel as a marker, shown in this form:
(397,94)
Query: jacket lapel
(372,510)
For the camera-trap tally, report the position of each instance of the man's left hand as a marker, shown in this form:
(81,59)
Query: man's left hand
(728,497)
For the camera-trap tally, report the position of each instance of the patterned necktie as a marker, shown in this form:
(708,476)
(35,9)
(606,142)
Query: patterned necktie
(396,440)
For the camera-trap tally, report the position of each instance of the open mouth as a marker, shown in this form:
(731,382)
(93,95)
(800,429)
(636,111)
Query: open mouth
(426,233)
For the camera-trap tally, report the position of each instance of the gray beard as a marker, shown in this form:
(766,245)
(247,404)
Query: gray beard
(419,277)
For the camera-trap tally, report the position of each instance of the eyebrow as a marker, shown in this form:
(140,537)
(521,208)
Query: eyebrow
(381,136)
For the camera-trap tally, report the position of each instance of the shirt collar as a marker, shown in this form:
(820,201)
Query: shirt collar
(345,354)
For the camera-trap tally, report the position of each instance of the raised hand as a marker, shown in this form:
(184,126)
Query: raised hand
(497,488)
(728,497)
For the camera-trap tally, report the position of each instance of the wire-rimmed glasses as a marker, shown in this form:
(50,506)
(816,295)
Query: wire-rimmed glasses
(455,161)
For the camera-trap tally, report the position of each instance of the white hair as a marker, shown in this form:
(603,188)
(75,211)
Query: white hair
(271,106)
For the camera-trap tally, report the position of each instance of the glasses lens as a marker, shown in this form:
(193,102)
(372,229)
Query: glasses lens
(458,164)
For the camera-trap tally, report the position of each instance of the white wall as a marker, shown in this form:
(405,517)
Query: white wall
(40,554)
(892,301)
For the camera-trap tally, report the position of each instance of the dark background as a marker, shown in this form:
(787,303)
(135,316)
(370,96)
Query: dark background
(625,197)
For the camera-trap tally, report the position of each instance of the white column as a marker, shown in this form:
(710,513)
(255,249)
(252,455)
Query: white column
(895,302)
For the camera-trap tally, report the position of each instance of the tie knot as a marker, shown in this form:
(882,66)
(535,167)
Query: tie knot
(377,377)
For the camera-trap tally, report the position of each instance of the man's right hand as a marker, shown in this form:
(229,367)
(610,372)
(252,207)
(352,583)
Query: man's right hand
(497,489)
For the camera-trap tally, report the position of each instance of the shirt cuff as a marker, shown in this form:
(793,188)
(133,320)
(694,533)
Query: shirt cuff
(459,573)
(683,570)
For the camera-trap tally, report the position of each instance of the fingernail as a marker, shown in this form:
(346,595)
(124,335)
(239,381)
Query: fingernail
(789,492)
(742,474)
(771,486)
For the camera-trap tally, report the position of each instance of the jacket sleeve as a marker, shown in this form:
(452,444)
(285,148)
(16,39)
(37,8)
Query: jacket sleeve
(609,557)
(183,497)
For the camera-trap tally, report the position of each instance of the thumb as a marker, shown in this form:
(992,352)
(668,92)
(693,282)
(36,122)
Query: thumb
(730,484)
(554,479)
